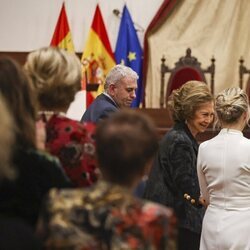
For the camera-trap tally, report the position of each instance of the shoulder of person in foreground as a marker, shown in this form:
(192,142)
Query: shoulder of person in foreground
(15,234)
(47,166)
(122,220)
(162,213)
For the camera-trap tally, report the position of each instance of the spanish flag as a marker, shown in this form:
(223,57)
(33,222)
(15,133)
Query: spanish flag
(62,35)
(97,57)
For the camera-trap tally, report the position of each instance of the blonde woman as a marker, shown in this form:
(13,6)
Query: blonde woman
(56,75)
(224,175)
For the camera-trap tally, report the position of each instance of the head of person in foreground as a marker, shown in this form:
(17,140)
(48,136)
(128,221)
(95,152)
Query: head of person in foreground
(125,145)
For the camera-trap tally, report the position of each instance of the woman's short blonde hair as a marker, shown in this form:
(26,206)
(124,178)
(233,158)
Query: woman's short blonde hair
(230,104)
(56,75)
(186,100)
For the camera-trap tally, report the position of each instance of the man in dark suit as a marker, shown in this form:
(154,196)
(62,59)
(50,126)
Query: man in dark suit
(119,92)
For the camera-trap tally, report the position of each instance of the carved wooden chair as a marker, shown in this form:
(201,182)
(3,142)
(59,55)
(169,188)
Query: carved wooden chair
(186,69)
(243,70)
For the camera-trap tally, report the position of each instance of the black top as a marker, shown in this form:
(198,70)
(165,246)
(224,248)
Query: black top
(36,174)
(174,174)
(15,234)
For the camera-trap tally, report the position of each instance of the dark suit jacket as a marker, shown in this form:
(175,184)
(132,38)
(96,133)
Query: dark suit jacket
(174,174)
(100,108)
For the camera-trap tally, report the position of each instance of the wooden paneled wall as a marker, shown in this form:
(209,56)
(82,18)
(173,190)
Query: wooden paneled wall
(163,122)
(21,56)
(18,56)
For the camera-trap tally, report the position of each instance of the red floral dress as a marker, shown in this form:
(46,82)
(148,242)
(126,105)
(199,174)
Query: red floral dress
(74,144)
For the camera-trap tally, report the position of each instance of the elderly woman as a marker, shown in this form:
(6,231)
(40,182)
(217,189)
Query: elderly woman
(224,175)
(173,180)
(56,76)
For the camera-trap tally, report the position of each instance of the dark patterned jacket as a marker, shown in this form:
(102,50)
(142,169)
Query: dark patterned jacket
(174,174)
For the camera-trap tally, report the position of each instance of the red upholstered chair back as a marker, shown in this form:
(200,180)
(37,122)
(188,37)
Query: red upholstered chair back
(186,69)
(181,76)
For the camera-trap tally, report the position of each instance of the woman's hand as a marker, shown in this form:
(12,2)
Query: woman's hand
(202,201)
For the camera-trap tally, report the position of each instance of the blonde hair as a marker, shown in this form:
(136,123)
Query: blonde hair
(230,104)
(186,100)
(56,75)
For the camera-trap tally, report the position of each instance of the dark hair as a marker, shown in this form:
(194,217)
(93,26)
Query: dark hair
(17,91)
(6,141)
(125,143)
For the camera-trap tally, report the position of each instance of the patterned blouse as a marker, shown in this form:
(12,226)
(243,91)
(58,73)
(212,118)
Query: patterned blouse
(73,143)
(104,216)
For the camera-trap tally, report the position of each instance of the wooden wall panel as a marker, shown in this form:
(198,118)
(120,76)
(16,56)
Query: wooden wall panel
(18,56)
(21,56)
(164,122)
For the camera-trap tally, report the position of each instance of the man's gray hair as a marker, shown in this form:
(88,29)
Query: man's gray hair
(117,73)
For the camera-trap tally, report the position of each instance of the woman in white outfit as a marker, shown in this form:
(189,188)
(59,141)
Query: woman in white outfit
(223,167)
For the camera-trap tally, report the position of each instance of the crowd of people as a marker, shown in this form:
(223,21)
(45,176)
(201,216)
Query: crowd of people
(67,184)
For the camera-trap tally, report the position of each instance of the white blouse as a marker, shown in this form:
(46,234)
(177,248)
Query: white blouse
(223,168)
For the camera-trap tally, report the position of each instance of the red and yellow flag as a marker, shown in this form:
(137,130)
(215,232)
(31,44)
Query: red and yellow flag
(62,38)
(97,57)
(62,35)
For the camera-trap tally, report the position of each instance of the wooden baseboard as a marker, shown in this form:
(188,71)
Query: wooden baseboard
(163,122)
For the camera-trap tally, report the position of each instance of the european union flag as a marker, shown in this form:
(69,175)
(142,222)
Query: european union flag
(128,50)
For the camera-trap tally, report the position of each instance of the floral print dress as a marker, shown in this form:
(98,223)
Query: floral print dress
(105,216)
(74,144)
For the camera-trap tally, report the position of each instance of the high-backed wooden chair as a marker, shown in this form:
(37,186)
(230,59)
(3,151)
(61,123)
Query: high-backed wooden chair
(243,70)
(186,69)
